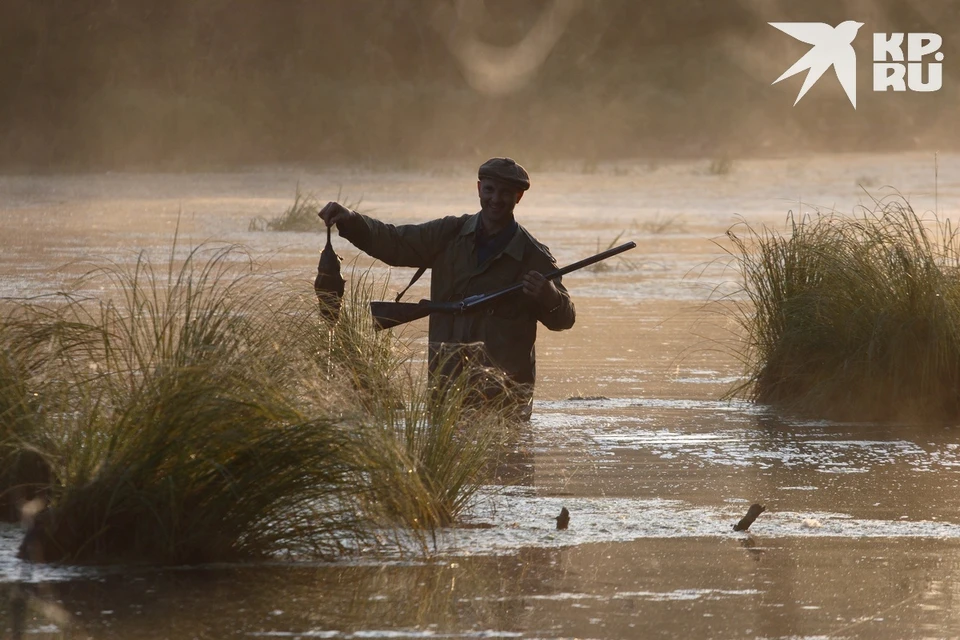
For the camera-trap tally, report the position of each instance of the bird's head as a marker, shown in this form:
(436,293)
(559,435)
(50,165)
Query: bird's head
(850,26)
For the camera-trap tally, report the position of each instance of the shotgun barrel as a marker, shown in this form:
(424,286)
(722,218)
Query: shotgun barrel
(392,314)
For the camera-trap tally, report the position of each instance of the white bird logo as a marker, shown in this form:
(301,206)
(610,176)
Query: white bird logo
(831,48)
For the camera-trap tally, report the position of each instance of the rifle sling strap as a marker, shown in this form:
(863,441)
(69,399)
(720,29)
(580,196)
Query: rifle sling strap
(422,270)
(413,280)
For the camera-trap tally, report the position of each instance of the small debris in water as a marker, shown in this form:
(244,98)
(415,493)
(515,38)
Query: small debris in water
(563,520)
(747,520)
(811,523)
(586,398)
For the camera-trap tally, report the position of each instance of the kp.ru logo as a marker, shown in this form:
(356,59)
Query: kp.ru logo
(832,48)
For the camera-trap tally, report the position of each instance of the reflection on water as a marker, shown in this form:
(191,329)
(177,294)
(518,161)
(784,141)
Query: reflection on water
(628,434)
(653,488)
(750,587)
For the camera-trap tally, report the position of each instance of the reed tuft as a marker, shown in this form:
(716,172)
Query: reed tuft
(299,216)
(852,317)
(204,411)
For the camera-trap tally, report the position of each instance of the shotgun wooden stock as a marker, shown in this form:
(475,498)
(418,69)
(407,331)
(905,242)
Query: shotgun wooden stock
(392,314)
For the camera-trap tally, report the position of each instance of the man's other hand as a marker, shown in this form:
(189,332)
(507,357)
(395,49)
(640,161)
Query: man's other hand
(541,290)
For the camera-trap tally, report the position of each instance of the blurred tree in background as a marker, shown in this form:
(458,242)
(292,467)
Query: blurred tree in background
(181,84)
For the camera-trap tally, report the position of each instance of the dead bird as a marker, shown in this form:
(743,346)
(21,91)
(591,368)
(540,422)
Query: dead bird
(747,520)
(563,520)
(329,283)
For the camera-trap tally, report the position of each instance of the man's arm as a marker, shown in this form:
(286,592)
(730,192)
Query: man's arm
(554,307)
(408,245)
(561,315)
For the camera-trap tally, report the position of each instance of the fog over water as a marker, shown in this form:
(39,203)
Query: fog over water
(94,84)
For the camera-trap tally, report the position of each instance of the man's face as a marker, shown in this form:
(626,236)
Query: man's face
(497,200)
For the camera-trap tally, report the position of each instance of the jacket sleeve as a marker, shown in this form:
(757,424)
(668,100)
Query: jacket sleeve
(564,314)
(407,245)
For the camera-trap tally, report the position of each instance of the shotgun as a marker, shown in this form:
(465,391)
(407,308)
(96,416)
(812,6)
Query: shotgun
(391,314)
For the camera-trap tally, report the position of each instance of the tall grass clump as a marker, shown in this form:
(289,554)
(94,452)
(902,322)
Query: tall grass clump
(434,445)
(24,473)
(853,317)
(187,427)
(203,411)
(424,444)
(301,215)
(721,166)
(373,364)
(604,266)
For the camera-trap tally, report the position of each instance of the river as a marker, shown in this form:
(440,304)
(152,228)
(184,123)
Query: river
(861,537)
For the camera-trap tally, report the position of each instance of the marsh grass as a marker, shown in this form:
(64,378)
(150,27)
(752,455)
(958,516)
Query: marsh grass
(372,363)
(184,429)
(435,446)
(852,317)
(605,266)
(425,445)
(18,407)
(24,473)
(300,216)
(663,224)
(721,166)
(203,411)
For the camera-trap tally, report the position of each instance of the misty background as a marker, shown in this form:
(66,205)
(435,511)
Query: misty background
(181,84)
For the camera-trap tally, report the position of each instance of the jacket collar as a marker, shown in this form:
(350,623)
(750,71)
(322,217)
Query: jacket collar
(514,248)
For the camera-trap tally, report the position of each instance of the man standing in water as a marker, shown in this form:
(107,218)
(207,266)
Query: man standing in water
(476,254)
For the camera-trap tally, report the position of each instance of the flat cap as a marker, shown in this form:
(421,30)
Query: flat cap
(507,170)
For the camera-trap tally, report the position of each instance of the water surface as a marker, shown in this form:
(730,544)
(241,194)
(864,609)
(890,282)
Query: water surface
(861,537)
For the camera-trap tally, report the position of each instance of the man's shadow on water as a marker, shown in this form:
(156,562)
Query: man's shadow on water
(514,463)
(24,601)
(16,596)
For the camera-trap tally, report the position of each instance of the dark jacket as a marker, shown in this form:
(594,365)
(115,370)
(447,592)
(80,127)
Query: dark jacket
(507,328)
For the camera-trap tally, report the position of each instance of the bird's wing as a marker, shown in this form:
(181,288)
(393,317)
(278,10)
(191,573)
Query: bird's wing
(802,64)
(819,65)
(809,32)
(845,66)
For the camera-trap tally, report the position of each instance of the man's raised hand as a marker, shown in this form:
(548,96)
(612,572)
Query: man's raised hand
(334,213)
